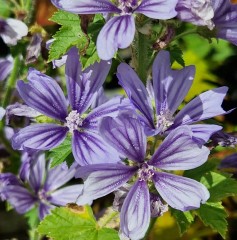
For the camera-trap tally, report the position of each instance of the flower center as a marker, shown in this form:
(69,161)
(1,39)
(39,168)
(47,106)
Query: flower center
(127,6)
(74,120)
(42,195)
(164,120)
(145,172)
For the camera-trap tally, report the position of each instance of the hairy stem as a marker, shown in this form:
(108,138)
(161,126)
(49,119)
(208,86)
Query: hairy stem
(142,56)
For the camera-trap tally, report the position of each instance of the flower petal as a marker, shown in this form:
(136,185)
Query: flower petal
(44,210)
(58,176)
(179,192)
(44,95)
(39,136)
(179,151)
(18,109)
(86,6)
(118,32)
(135,213)
(37,171)
(82,87)
(66,195)
(126,135)
(102,179)
(90,148)
(158,9)
(203,132)
(19,198)
(14,31)
(136,92)
(205,106)
(6,66)
(170,86)
(110,108)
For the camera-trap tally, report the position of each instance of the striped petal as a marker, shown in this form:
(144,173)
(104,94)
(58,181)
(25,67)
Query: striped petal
(86,6)
(179,192)
(118,32)
(39,136)
(135,213)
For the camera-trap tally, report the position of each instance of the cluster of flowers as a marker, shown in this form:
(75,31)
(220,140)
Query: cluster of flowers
(109,136)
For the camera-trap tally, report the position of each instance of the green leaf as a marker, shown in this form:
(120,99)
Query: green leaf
(176,54)
(214,215)
(59,154)
(91,56)
(74,222)
(220,185)
(70,34)
(183,219)
(107,234)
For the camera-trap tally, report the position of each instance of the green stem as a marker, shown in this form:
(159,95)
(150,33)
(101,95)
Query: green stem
(11,81)
(142,56)
(34,235)
(191,31)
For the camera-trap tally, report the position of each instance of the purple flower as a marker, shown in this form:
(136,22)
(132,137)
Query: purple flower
(6,66)
(177,152)
(218,15)
(44,95)
(119,31)
(167,92)
(225,20)
(43,187)
(34,48)
(12,30)
(224,139)
(229,162)
(18,109)
(198,12)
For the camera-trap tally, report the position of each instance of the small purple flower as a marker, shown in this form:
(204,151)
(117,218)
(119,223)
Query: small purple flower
(12,30)
(43,187)
(229,162)
(119,31)
(218,15)
(223,139)
(177,152)
(167,92)
(44,95)
(18,109)
(198,12)
(6,66)
(34,48)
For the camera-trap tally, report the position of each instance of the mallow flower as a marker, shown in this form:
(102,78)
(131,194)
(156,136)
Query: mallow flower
(43,94)
(145,173)
(40,187)
(119,31)
(198,12)
(157,105)
(12,30)
(218,15)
